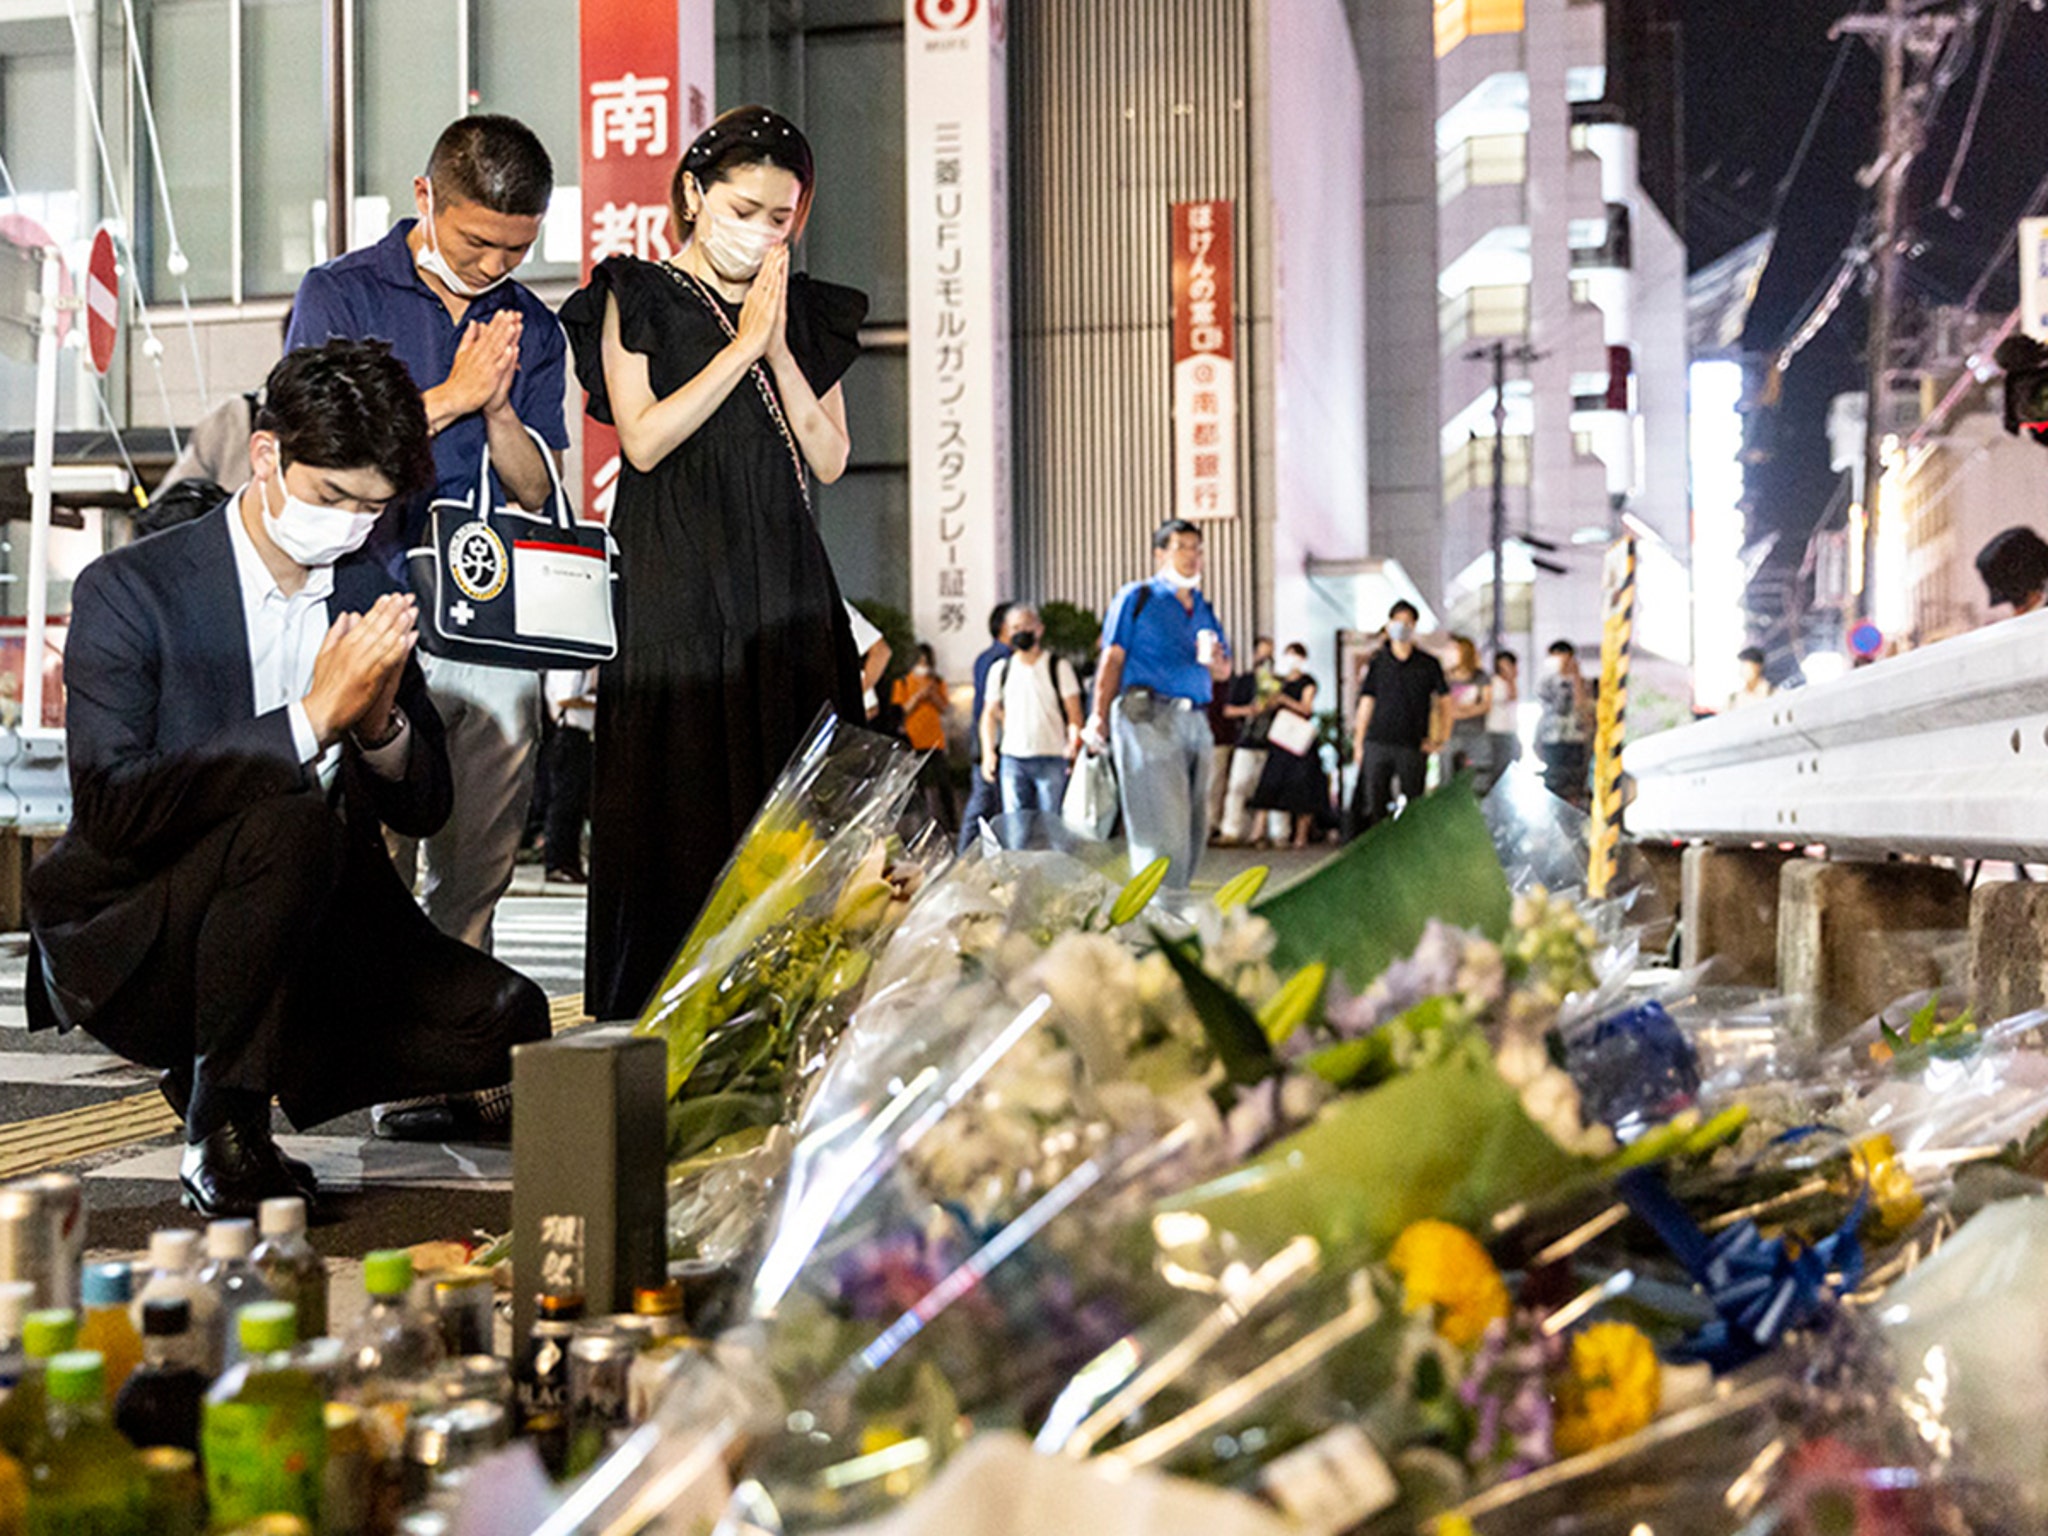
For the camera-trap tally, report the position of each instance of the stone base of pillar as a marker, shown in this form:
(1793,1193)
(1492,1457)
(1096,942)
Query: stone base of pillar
(1729,913)
(1854,937)
(2008,949)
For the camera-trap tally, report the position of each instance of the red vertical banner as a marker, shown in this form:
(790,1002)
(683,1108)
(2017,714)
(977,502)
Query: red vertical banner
(643,102)
(1204,361)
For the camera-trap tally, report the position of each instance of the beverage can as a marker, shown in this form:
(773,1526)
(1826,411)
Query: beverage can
(477,1379)
(464,1302)
(1205,647)
(42,1235)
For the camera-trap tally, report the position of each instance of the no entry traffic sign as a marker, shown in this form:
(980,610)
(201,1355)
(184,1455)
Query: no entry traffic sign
(102,302)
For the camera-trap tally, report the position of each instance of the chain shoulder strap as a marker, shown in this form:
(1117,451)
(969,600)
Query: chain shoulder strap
(695,284)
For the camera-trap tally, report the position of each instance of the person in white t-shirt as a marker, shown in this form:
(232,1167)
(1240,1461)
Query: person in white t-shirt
(1031,724)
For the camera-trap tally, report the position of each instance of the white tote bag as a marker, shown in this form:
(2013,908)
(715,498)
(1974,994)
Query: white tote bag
(1090,804)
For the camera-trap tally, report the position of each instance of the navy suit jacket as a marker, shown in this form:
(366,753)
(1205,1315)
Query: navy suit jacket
(164,745)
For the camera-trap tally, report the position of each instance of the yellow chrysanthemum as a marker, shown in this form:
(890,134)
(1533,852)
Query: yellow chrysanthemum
(1444,1267)
(1609,1389)
(1895,1202)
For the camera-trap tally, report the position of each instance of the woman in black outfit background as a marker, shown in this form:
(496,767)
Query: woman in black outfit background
(720,369)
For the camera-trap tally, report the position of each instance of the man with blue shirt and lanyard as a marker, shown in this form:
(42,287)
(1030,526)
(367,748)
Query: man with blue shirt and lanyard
(1163,653)
(488,357)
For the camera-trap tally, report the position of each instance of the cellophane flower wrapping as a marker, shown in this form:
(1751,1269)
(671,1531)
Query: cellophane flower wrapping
(780,950)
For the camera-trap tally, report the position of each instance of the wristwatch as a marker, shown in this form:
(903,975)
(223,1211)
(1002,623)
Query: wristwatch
(394,728)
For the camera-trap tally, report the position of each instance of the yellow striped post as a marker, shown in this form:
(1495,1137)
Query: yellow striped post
(1617,634)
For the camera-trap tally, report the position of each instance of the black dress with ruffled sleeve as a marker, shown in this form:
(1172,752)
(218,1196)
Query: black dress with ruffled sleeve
(732,636)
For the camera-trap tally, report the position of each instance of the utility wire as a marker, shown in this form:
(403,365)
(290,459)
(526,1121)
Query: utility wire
(2001,21)
(1784,189)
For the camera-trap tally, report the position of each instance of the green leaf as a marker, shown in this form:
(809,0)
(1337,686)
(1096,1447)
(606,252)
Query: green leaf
(1289,1008)
(1921,1028)
(1366,908)
(1354,1063)
(1449,1141)
(1233,1029)
(1241,891)
(1137,896)
(1891,1037)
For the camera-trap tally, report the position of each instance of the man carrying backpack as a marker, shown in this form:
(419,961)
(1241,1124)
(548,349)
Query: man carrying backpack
(1031,724)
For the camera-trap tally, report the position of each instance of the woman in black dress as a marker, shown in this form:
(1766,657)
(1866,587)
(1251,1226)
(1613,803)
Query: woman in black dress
(1295,783)
(720,370)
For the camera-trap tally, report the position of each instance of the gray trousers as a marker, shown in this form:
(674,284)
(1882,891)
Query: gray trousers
(1164,765)
(493,717)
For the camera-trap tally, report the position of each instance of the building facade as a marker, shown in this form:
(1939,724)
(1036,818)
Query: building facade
(1523,196)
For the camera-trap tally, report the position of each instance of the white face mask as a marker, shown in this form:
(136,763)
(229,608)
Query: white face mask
(314,535)
(1178,582)
(734,247)
(1400,631)
(428,258)
(1294,666)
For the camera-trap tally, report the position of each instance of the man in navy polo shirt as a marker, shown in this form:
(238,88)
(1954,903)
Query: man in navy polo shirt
(488,358)
(1163,653)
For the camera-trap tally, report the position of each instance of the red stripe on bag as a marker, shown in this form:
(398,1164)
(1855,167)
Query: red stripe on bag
(558,549)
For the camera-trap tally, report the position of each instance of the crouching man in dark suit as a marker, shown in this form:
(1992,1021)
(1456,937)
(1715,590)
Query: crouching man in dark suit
(245,718)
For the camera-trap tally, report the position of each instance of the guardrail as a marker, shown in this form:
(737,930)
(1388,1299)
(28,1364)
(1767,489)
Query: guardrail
(1943,750)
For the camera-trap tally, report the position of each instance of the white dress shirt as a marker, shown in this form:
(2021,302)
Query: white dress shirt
(285,632)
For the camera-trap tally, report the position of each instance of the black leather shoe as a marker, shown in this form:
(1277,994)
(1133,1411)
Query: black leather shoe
(176,1088)
(236,1172)
(454,1118)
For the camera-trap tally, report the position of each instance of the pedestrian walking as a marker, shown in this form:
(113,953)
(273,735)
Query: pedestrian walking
(1402,718)
(1162,656)
(1031,724)
(1471,698)
(921,698)
(1293,782)
(1503,722)
(488,356)
(720,368)
(1246,712)
(1562,733)
(984,795)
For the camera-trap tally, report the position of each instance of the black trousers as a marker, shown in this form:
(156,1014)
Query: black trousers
(1372,798)
(567,755)
(291,962)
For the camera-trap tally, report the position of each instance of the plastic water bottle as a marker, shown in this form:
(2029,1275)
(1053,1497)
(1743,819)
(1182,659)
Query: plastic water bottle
(160,1403)
(173,1270)
(263,1431)
(105,1291)
(232,1281)
(83,1476)
(44,1336)
(288,1264)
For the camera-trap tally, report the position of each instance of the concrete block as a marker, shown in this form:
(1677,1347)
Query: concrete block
(2008,948)
(1728,912)
(1854,937)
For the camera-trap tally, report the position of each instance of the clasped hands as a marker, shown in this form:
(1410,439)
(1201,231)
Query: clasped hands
(358,670)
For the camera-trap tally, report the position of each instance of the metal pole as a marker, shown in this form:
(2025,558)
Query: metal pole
(1498,534)
(39,497)
(1894,157)
(334,81)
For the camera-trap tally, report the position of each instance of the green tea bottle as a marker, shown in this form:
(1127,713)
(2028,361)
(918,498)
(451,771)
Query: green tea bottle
(44,1336)
(263,1433)
(83,1478)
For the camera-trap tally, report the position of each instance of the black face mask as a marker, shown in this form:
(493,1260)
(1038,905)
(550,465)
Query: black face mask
(1024,640)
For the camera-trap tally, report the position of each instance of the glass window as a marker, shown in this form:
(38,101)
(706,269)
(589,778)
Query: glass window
(1457,20)
(283,145)
(517,72)
(185,42)
(1469,466)
(37,89)
(408,87)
